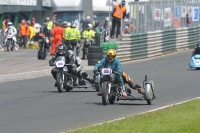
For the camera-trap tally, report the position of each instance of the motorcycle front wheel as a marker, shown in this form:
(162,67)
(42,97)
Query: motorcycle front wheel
(105,93)
(59,81)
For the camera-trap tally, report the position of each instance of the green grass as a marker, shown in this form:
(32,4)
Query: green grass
(184,118)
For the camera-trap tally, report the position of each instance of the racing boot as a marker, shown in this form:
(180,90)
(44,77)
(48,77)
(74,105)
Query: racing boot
(87,77)
(76,82)
(99,93)
(124,94)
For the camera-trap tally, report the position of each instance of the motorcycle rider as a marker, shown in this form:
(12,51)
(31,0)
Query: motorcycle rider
(77,69)
(196,50)
(129,81)
(73,36)
(13,31)
(114,63)
(88,33)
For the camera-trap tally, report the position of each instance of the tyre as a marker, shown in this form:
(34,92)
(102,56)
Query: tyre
(197,68)
(39,55)
(7,45)
(104,93)
(95,49)
(95,56)
(111,97)
(59,82)
(148,94)
(44,54)
(92,62)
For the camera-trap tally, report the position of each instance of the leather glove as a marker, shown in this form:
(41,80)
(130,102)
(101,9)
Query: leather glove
(51,63)
(95,72)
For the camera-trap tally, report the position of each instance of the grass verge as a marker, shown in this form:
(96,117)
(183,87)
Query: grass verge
(183,118)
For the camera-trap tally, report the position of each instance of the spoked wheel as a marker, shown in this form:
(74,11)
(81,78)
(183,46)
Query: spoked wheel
(105,93)
(59,81)
(111,97)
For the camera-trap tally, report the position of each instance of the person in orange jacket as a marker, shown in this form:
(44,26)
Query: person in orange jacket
(57,33)
(23,33)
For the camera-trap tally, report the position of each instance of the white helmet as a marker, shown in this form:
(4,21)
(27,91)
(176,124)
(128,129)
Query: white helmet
(107,19)
(69,24)
(9,23)
(90,26)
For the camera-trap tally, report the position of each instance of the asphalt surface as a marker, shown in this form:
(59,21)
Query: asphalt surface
(35,106)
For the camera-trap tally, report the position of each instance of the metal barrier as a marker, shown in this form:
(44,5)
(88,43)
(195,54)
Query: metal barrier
(151,44)
(156,15)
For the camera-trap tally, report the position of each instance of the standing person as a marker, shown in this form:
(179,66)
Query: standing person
(187,20)
(7,21)
(32,33)
(88,33)
(23,33)
(57,32)
(85,23)
(119,12)
(3,30)
(73,36)
(67,26)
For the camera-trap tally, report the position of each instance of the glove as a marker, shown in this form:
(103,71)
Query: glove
(51,63)
(95,72)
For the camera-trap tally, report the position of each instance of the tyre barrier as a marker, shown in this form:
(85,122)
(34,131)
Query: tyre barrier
(95,54)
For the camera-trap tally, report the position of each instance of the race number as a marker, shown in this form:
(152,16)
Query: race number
(60,64)
(197,62)
(106,71)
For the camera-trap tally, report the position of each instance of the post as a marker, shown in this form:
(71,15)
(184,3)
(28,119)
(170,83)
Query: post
(43,17)
(109,21)
(30,17)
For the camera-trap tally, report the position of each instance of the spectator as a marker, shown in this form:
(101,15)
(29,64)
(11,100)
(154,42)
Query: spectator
(187,20)
(119,12)
(3,30)
(7,21)
(23,33)
(32,33)
(85,23)
(57,32)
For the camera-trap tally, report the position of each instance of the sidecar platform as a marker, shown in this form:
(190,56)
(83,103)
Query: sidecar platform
(81,87)
(130,98)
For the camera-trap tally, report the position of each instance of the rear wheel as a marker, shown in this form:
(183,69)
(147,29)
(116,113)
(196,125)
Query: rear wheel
(59,81)
(105,93)
(111,97)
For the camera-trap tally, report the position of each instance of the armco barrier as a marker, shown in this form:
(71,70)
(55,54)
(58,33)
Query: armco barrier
(151,44)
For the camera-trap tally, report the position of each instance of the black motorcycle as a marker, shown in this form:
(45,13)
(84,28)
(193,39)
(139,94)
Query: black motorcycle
(43,47)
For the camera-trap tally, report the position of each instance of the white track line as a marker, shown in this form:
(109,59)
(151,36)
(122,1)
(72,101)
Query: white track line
(153,110)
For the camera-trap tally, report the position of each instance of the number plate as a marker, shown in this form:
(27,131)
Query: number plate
(9,36)
(197,61)
(60,64)
(106,71)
